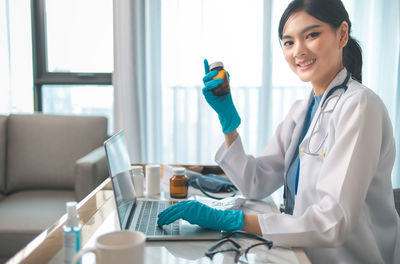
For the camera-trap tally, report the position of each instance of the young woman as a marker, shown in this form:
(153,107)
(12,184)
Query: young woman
(334,152)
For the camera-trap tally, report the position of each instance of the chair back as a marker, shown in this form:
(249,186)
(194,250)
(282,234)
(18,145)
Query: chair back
(42,149)
(396,194)
(3,152)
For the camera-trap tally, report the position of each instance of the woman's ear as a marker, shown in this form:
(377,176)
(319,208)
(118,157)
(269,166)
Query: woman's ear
(343,34)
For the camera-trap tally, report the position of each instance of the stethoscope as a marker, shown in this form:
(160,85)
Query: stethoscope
(332,100)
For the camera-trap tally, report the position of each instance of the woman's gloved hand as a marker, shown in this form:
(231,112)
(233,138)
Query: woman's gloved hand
(200,214)
(223,105)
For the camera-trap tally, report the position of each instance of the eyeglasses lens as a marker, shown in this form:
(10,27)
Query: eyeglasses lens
(248,249)
(259,253)
(226,253)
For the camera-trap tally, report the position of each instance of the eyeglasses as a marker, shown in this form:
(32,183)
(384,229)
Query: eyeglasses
(228,245)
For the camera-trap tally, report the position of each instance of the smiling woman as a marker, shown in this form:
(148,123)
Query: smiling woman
(320,47)
(333,152)
(313,49)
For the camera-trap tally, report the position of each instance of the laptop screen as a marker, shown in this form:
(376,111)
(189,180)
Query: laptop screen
(119,167)
(117,154)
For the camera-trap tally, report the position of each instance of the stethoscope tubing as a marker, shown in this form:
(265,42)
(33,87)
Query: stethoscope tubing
(307,151)
(323,105)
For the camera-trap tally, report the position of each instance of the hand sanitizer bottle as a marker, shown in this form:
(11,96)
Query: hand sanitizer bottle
(71,233)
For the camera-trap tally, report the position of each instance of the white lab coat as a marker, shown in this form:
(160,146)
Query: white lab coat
(344,210)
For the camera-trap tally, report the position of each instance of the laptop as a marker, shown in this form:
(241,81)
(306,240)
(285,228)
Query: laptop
(140,214)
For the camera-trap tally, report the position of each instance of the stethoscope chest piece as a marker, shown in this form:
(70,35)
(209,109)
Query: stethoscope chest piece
(321,154)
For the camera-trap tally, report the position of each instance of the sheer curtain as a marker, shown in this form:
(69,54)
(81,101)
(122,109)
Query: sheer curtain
(243,34)
(16,93)
(224,30)
(396,173)
(376,26)
(136,76)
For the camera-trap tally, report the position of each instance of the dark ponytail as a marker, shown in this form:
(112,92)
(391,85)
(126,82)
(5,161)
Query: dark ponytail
(333,13)
(352,58)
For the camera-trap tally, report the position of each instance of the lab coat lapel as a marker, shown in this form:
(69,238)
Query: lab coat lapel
(339,79)
(298,119)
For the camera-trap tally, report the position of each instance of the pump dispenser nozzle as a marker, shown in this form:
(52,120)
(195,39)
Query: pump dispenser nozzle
(72,214)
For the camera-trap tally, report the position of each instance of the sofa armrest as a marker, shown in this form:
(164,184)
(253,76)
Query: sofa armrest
(90,171)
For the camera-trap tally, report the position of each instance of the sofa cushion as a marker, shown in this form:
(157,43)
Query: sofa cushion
(3,151)
(26,214)
(42,149)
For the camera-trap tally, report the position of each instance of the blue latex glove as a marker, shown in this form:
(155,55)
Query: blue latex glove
(223,105)
(200,214)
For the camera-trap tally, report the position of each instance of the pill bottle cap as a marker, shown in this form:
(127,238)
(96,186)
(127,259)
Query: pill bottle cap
(137,170)
(216,64)
(179,171)
(153,168)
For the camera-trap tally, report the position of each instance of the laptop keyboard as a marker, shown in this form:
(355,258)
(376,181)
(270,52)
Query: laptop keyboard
(147,222)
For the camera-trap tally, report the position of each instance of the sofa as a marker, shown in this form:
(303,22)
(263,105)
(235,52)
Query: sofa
(45,161)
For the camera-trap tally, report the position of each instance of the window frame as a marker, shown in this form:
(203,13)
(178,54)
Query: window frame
(41,75)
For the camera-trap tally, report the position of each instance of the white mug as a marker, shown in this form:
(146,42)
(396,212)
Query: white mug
(118,247)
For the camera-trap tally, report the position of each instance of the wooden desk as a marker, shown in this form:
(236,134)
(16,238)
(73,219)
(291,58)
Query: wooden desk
(98,216)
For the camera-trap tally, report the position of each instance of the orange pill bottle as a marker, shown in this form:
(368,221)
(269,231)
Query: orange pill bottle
(224,87)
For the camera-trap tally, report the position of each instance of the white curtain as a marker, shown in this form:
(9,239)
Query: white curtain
(396,171)
(5,60)
(136,76)
(160,46)
(224,30)
(16,93)
(376,26)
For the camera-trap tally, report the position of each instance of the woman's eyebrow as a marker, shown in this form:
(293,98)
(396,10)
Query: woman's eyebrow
(303,31)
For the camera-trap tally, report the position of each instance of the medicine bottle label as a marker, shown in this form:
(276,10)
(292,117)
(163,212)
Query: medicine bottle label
(223,88)
(178,187)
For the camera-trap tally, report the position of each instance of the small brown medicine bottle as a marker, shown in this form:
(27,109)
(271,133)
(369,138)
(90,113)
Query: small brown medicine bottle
(178,184)
(224,87)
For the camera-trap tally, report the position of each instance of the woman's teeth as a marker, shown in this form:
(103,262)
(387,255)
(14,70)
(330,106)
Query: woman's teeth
(306,63)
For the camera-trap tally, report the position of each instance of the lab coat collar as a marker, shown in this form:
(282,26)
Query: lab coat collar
(300,114)
(338,80)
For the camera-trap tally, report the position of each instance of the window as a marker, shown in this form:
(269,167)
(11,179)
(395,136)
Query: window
(79,100)
(73,57)
(191,32)
(79,39)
